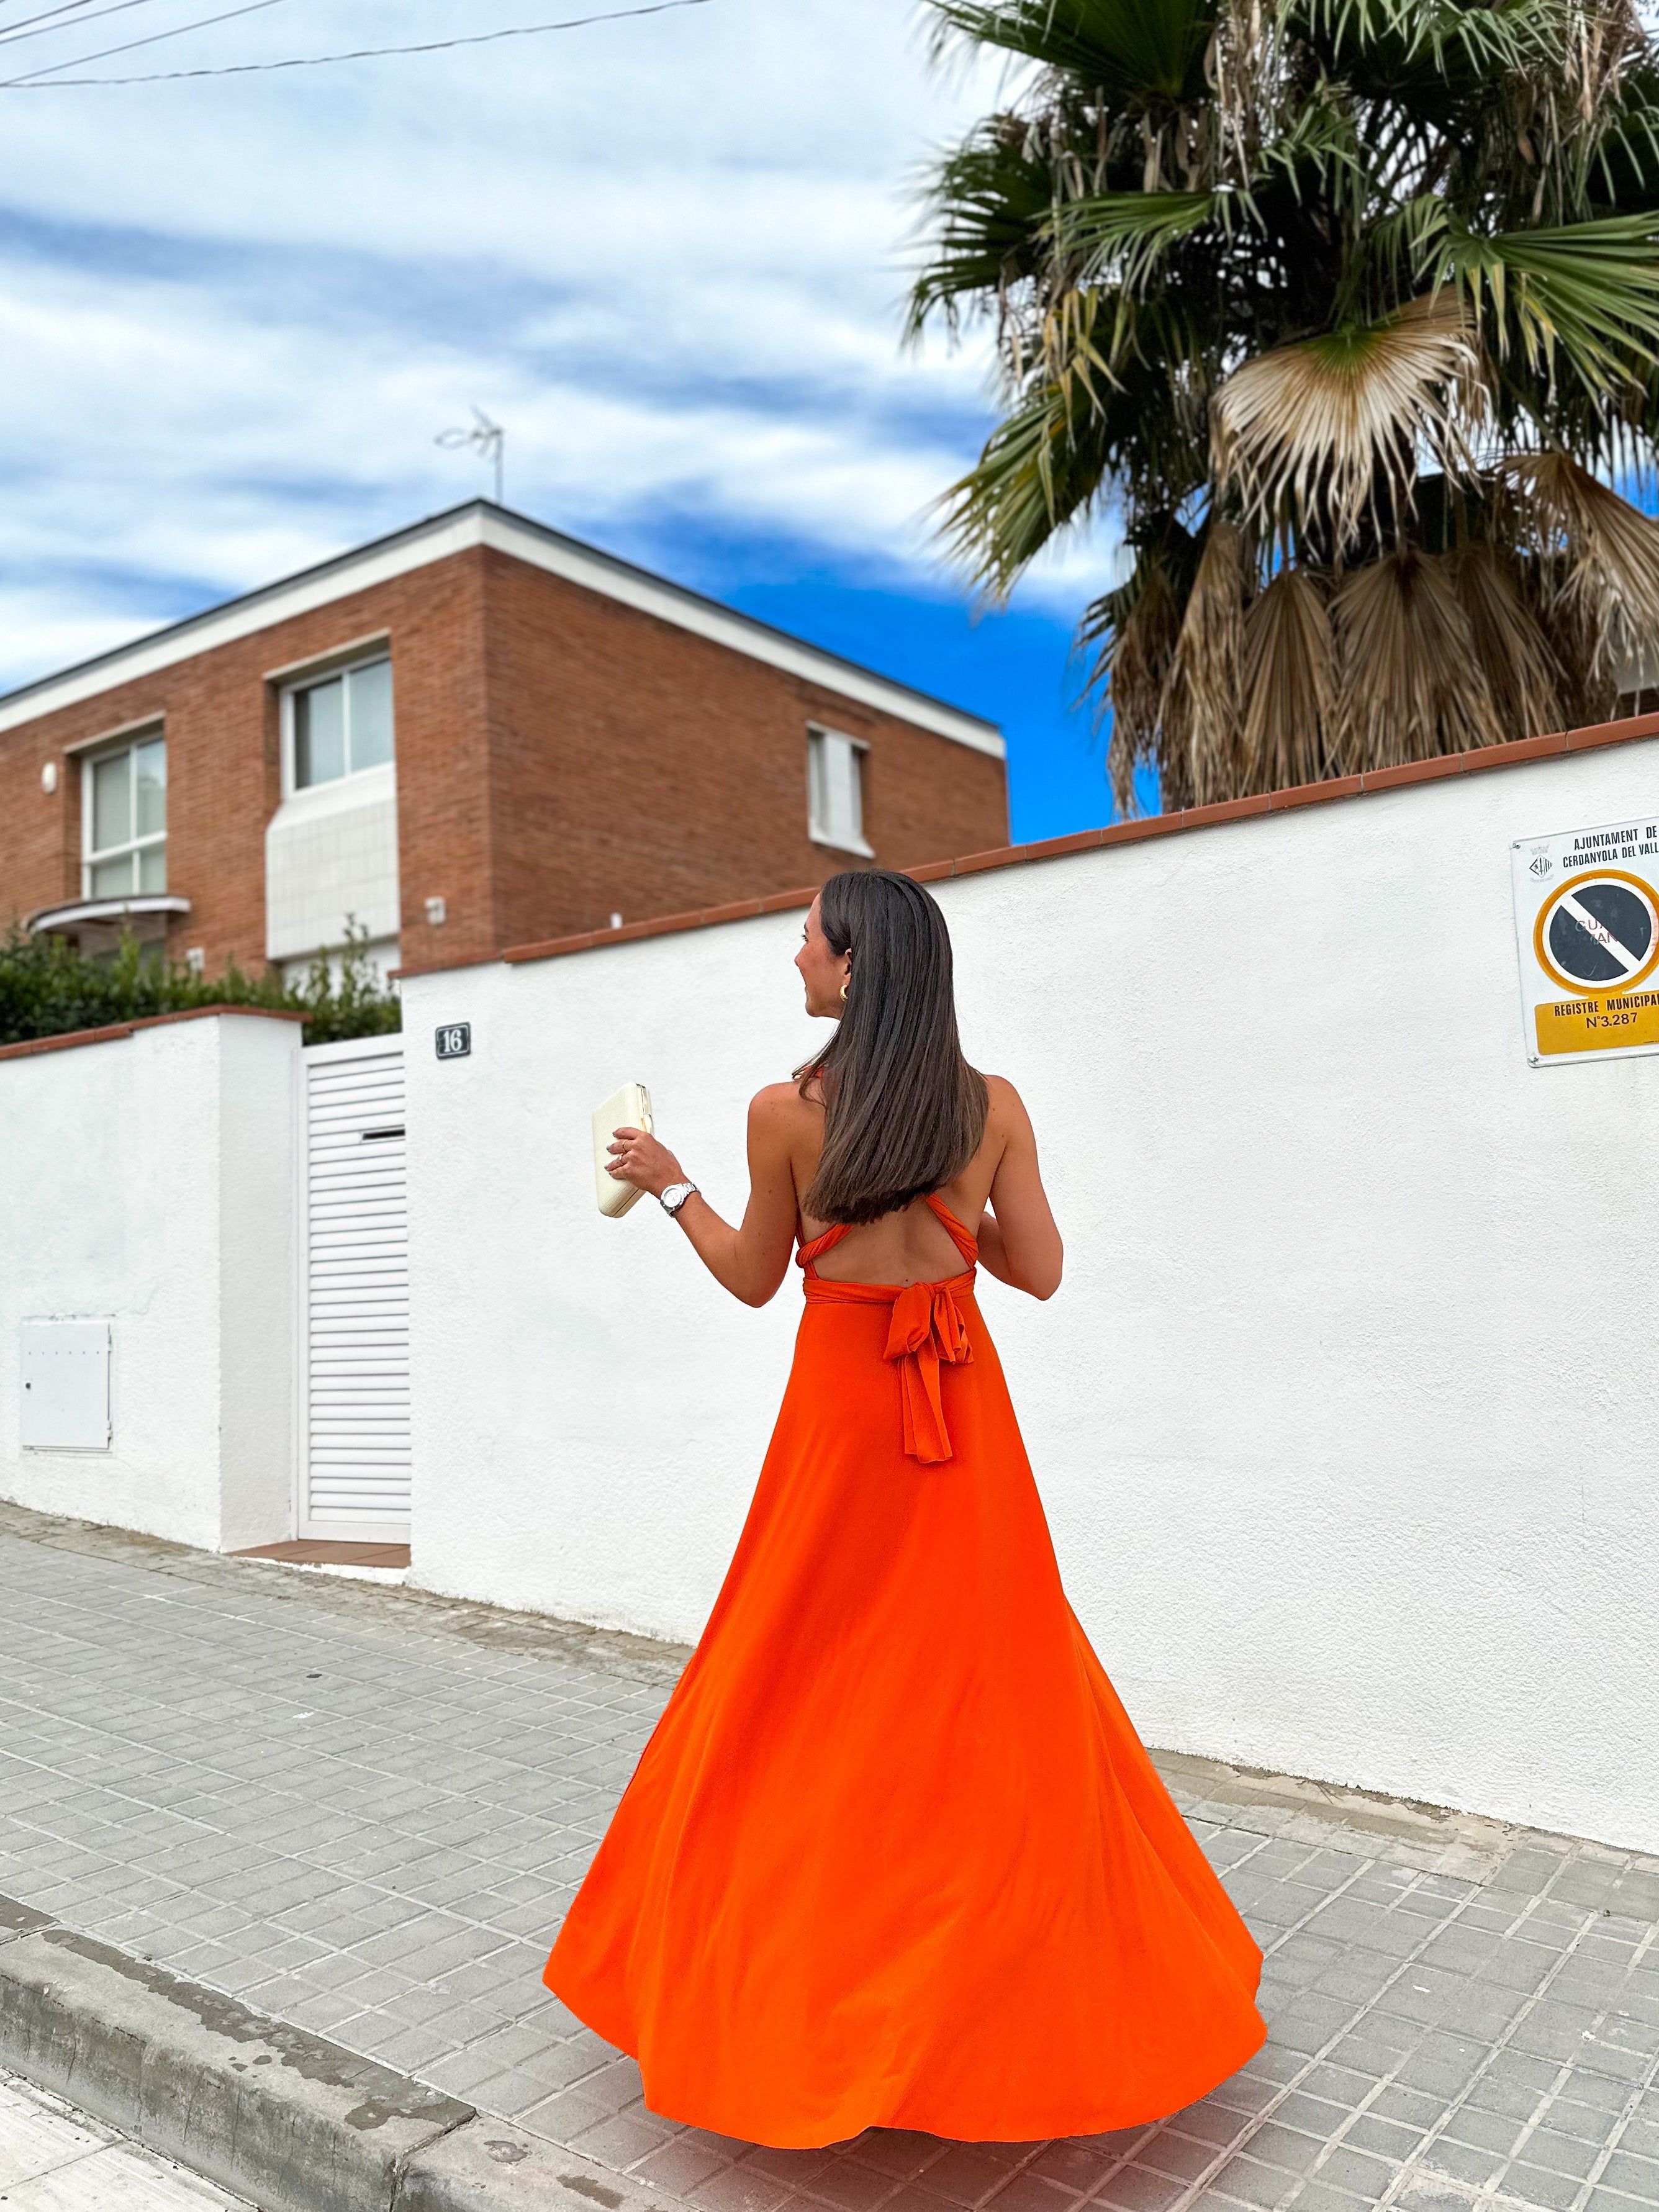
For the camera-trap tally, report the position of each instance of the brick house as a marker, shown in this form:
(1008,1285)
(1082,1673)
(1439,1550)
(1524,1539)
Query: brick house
(472,734)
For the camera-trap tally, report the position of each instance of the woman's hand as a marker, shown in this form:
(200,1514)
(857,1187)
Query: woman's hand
(640,1160)
(751,1260)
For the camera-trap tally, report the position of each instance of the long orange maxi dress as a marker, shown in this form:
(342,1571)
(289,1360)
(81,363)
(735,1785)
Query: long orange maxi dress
(895,1856)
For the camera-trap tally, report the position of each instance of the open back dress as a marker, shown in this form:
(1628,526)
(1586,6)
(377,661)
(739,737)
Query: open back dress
(895,1856)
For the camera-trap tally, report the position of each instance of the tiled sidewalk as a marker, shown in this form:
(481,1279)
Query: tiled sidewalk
(365,1811)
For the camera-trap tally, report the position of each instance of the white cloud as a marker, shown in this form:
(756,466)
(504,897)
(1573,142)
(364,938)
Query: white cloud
(667,254)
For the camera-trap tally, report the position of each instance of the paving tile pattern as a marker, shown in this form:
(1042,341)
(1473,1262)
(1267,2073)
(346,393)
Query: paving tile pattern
(365,1811)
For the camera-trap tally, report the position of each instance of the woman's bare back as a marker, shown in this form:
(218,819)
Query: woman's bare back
(909,1246)
(998,1198)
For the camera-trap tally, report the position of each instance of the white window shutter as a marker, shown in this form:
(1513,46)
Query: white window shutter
(836,796)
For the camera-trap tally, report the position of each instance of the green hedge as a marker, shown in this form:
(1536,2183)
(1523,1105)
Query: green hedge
(48,989)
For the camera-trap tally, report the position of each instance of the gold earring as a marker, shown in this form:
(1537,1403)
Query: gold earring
(844,990)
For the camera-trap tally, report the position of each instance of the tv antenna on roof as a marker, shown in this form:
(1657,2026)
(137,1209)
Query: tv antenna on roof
(488,438)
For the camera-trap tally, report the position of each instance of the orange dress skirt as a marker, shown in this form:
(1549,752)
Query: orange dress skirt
(895,1856)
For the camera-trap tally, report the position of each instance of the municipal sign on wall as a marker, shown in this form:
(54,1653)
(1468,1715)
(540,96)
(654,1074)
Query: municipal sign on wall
(1586,930)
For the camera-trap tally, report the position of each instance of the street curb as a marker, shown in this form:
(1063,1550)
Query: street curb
(281,2117)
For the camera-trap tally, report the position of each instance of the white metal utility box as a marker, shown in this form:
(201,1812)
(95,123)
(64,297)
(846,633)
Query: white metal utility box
(64,1385)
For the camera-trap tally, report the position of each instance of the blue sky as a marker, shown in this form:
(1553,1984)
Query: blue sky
(667,254)
(1012,666)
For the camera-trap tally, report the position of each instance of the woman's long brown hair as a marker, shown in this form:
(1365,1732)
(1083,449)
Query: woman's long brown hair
(903,1111)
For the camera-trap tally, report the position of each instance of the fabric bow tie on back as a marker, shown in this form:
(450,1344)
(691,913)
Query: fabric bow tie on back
(928,1332)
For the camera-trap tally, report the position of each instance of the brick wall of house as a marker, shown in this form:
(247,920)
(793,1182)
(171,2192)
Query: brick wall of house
(39,833)
(643,770)
(221,715)
(561,757)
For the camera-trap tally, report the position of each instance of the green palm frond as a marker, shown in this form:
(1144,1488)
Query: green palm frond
(1080,421)
(1401,246)
(1142,49)
(988,203)
(1625,159)
(1120,239)
(1584,296)
(1034,476)
(1319,145)
(1447,39)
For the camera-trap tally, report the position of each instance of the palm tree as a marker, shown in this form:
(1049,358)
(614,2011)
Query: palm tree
(1346,310)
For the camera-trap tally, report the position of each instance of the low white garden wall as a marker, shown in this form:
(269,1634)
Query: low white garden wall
(1342,1417)
(149,1182)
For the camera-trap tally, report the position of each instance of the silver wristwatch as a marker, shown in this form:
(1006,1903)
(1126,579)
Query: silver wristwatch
(675,1196)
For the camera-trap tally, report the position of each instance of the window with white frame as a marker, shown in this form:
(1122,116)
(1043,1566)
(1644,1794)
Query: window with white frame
(834,791)
(340,725)
(124,815)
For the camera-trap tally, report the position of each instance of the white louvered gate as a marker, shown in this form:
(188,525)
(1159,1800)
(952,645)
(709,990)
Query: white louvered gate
(354,1470)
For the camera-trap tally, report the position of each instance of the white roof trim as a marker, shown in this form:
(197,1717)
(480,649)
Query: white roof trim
(458,532)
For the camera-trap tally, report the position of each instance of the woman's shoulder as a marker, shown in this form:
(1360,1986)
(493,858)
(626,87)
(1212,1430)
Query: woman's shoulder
(1005,1118)
(1004,1103)
(782,1103)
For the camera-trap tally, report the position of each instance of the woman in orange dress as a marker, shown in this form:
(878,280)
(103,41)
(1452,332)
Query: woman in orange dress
(895,1856)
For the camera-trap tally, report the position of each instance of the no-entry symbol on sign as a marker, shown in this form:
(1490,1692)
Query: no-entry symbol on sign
(1599,932)
(1587,929)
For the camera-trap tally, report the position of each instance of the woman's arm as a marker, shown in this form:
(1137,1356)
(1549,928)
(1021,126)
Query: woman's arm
(752,1259)
(1019,1242)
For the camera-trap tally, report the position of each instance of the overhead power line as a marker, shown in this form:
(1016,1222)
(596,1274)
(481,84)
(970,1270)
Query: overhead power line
(178,30)
(48,79)
(63,8)
(66,8)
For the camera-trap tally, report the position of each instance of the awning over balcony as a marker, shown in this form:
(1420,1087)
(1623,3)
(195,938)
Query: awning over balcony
(146,915)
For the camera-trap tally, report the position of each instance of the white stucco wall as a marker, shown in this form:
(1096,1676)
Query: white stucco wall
(1342,1416)
(148,1180)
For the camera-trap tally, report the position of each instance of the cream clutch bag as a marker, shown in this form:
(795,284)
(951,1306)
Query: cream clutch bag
(629,1108)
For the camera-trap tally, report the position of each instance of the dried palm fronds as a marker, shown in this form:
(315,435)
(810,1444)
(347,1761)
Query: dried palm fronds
(1199,710)
(1243,63)
(1592,679)
(1603,44)
(1413,682)
(1138,645)
(1321,427)
(1599,554)
(1522,674)
(1293,709)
